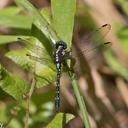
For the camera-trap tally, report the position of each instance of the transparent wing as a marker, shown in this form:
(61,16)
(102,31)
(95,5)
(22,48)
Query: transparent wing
(97,47)
(30,46)
(42,61)
(98,34)
(95,39)
(37,53)
(93,42)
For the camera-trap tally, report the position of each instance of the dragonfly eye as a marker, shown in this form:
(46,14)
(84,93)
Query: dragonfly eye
(61,43)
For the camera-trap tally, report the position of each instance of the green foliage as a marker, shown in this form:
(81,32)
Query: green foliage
(124,5)
(11,18)
(122,34)
(5,39)
(10,11)
(13,85)
(36,30)
(63,12)
(60,120)
(14,21)
(80,102)
(45,12)
(39,20)
(3,113)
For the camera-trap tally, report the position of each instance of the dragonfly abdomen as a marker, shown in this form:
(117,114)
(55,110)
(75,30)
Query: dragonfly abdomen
(60,46)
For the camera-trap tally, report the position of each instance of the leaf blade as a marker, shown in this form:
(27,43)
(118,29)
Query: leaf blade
(57,122)
(13,21)
(39,20)
(13,85)
(63,12)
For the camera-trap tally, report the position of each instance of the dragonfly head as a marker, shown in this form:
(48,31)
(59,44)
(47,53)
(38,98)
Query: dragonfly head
(61,43)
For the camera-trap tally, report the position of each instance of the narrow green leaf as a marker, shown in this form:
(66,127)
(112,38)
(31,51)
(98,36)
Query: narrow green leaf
(19,21)
(10,11)
(10,39)
(63,12)
(60,120)
(45,12)
(80,101)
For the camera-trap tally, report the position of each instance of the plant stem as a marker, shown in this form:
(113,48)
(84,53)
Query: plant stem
(28,102)
(80,101)
(86,113)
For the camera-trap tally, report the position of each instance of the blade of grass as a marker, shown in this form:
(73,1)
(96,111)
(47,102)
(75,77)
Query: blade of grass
(4,39)
(80,101)
(63,12)
(10,10)
(13,21)
(86,114)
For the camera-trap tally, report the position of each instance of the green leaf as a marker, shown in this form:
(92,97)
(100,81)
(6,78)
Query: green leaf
(20,58)
(36,32)
(2,112)
(124,5)
(60,120)
(4,39)
(16,21)
(45,12)
(80,100)
(13,85)
(45,76)
(63,12)
(43,69)
(39,20)
(10,11)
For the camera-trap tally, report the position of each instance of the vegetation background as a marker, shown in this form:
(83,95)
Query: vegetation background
(27,100)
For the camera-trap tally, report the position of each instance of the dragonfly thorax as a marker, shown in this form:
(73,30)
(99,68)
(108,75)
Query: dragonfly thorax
(61,43)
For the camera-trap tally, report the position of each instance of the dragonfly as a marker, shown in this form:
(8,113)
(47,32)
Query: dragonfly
(60,46)
(61,54)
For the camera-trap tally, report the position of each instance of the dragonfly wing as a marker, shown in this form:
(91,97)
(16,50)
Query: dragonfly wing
(98,34)
(44,61)
(91,53)
(37,53)
(30,46)
(35,49)
(97,47)
(96,37)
